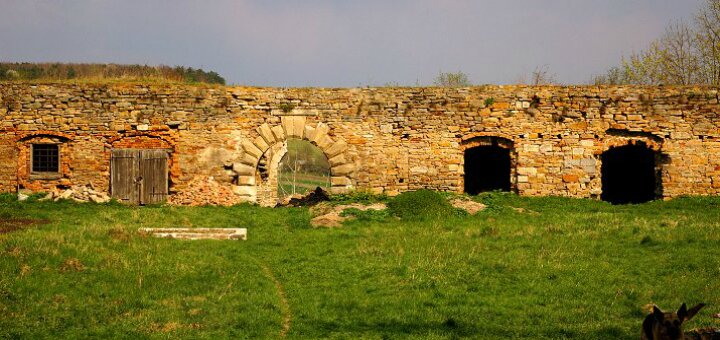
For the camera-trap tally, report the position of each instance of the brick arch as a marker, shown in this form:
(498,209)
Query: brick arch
(270,137)
(25,178)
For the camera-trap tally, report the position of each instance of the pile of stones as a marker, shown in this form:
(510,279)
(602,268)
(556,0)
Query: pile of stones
(78,193)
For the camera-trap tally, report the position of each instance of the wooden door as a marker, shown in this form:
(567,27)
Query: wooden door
(153,170)
(139,176)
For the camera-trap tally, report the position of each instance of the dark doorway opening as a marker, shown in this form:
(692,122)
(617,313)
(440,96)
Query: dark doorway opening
(628,175)
(487,168)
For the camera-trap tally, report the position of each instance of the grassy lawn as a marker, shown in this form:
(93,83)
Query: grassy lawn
(524,268)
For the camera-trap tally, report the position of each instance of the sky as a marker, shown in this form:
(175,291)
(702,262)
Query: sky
(342,43)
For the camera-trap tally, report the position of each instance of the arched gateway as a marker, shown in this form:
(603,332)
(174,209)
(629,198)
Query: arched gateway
(257,181)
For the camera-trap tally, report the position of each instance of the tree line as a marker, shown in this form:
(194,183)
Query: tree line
(66,71)
(688,53)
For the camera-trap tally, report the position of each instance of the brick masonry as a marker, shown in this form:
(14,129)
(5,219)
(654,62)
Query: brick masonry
(381,140)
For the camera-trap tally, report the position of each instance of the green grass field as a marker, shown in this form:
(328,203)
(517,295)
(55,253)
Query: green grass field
(524,268)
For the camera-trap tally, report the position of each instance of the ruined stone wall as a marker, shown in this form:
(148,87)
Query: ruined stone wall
(382,140)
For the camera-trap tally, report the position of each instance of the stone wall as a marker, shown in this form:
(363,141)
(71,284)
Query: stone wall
(382,140)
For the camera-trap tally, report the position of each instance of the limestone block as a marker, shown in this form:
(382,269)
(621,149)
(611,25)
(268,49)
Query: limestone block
(344,169)
(529,171)
(288,124)
(266,133)
(246,180)
(279,133)
(309,132)
(251,148)
(298,123)
(325,142)
(340,181)
(261,144)
(320,132)
(336,149)
(249,159)
(142,127)
(337,160)
(244,169)
(245,190)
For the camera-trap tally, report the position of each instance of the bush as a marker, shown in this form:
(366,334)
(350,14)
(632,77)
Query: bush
(421,205)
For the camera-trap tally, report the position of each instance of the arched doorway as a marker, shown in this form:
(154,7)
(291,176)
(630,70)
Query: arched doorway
(488,165)
(303,168)
(629,174)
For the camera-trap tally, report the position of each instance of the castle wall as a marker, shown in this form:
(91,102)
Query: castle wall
(382,140)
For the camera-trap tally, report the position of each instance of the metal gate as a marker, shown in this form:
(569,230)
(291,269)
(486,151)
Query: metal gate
(139,176)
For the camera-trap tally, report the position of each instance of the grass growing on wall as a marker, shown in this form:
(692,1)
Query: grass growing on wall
(526,267)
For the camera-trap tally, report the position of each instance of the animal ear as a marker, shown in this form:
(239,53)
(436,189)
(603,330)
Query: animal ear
(690,313)
(682,312)
(658,314)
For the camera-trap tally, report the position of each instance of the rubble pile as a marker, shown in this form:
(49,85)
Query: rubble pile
(78,193)
(204,191)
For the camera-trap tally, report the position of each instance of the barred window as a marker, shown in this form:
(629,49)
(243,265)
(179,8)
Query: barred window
(45,158)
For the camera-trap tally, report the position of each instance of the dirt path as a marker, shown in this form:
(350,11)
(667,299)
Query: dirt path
(284,305)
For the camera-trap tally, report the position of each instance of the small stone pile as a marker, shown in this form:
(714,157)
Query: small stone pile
(204,191)
(78,193)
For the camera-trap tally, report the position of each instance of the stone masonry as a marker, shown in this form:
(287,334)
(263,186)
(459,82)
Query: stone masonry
(380,140)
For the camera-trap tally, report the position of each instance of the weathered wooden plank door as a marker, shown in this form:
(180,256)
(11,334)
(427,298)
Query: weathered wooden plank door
(123,175)
(139,176)
(153,170)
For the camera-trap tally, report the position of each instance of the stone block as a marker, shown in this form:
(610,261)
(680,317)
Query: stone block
(309,132)
(252,149)
(335,149)
(261,144)
(325,142)
(298,123)
(266,132)
(246,180)
(337,160)
(320,132)
(278,132)
(243,169)
(345,169)
(244,190)
(340,181)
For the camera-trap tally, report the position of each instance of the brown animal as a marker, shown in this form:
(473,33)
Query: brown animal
(667,326)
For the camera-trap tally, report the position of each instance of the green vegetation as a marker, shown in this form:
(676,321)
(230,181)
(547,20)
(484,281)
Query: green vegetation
(686,54)
(526,267)
(450,79)
(61,71)
(421,205)
(303,168)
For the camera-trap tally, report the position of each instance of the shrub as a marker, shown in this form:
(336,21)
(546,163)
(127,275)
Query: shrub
(421,205)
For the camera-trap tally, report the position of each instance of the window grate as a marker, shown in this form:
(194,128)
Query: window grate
(45,158)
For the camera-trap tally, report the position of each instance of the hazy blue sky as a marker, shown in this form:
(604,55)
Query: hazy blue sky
(341,42)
